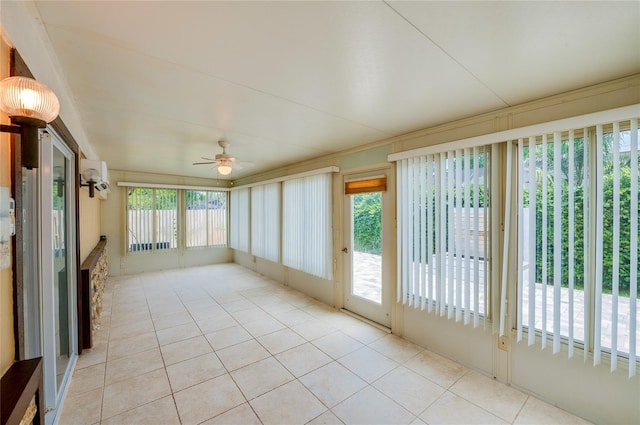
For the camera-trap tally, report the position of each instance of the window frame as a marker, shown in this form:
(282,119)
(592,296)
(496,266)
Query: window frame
(154,222)
(180,218)
(593,176)
(429,292)
(207,220)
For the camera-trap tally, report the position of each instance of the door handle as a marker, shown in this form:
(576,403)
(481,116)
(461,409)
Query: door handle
(345,250)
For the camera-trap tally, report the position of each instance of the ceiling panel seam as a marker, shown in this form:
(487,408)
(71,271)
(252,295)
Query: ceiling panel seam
(448,54)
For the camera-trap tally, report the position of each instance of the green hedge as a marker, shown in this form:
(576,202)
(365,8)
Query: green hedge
(578,243)
(367,221)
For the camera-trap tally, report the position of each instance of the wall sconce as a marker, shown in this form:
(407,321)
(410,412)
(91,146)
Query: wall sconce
(91,176)
(30,105)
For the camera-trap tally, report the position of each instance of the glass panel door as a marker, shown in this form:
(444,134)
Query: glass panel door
(366,246)
(368,278)
(58,295)
(60,264)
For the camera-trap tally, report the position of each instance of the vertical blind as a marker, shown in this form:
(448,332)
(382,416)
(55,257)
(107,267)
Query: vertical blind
(205,218)
(265,221)
(443,233)
(578,227)
(239,229)
(306,230)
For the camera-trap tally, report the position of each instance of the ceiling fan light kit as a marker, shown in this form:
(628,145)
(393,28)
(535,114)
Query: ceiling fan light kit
(225,168)
(223,161)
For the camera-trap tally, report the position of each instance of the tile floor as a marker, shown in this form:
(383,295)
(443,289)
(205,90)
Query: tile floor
(223,345)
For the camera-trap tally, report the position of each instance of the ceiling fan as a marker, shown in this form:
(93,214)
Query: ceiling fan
(223,161)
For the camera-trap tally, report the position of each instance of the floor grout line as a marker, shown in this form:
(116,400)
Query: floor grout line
(193,297)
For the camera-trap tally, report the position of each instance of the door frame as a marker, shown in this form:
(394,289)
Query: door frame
(359,306)
(18,67)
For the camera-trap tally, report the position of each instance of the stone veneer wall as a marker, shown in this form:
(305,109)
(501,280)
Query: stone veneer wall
(98,281)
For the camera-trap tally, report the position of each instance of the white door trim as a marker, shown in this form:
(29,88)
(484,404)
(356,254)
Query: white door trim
(378,313)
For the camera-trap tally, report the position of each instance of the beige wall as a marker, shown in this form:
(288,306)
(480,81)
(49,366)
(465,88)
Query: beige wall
(90,209)
(7,349)
(113,225)
(574,385)
(316,287)
(592,392)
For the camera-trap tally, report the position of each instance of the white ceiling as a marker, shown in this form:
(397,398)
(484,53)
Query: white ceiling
(156,84)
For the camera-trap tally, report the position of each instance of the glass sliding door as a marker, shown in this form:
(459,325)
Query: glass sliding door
(58,269)
(61,283)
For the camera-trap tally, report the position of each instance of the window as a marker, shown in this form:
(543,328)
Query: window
(239,237)
(306,232)
(442,233)
(578,240)
(265,221)
(206,219)
(554,202)
(154,222)
(152,219)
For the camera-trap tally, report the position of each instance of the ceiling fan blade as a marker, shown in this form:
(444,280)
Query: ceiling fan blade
(223,159)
